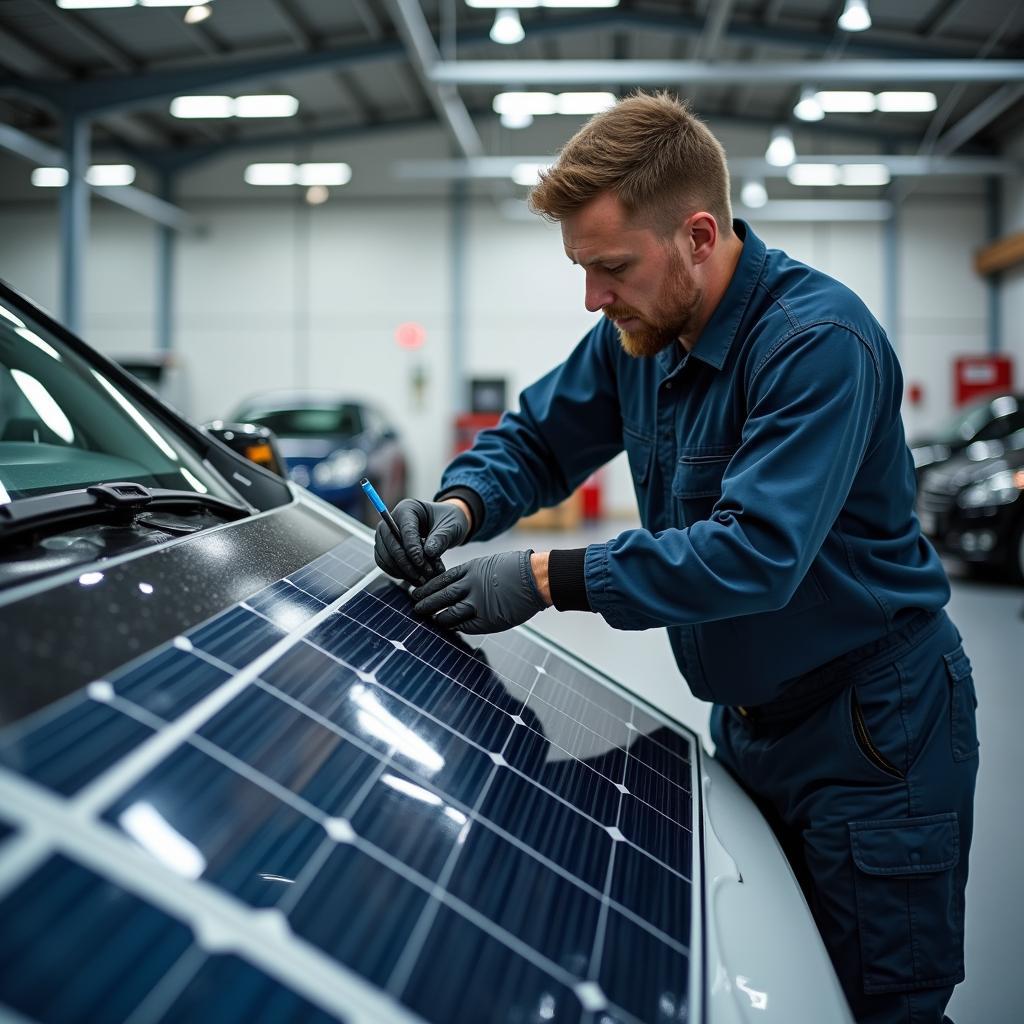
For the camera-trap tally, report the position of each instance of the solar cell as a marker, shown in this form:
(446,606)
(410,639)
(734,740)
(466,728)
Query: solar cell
(469,828)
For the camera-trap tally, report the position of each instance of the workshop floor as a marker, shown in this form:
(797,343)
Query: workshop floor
(990,616)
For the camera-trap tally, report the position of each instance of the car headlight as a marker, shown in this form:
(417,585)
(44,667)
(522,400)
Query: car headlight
(341,469)
(1001,488)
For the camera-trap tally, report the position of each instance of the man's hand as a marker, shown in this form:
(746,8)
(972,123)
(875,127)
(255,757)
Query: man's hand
(427,529)
(483,595)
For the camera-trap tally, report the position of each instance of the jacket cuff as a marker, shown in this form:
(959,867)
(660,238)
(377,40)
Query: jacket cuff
(472,499)
(567,580)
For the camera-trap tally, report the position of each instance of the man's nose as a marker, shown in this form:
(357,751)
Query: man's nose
(597,295)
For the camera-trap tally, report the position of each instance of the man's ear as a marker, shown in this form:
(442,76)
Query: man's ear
(703,235)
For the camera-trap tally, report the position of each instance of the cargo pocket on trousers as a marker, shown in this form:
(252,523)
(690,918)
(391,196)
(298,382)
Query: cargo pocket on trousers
(909,912)
(962,702)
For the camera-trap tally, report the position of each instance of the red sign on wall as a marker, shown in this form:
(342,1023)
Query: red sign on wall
(977,376)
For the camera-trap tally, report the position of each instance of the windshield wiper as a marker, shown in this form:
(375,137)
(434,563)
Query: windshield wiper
(121,502)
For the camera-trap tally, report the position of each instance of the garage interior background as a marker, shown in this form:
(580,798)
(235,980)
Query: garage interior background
(253,288)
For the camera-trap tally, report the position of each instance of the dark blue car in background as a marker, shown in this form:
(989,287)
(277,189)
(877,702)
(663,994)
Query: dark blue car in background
(329,442)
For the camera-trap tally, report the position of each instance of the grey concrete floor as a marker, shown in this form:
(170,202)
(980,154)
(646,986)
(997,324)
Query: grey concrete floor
(990,617)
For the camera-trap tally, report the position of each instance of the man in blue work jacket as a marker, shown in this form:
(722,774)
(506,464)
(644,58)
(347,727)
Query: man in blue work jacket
(758,402)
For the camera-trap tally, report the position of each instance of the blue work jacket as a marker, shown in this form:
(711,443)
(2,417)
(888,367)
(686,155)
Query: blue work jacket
(773,478)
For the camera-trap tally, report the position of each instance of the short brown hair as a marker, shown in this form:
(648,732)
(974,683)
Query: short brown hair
(651,152)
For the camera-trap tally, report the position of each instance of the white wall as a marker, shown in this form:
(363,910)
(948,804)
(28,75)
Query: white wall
(1012,285)
(278,295)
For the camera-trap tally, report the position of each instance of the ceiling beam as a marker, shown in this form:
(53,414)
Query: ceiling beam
(659,72)
(424,55)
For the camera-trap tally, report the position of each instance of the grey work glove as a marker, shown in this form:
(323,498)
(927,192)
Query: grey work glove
(428,529)
(483,595)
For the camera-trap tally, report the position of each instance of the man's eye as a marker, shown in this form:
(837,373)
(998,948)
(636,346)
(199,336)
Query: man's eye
(617,270)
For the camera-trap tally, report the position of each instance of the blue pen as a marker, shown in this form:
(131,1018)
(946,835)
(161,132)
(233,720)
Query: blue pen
(378,503)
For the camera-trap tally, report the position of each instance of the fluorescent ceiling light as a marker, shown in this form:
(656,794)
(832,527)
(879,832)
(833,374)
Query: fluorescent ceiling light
(198,13)
(166,3)
(808,108)
(507,28)
(50,177)
(298,174)
(82,5)
(864,174)
(490,5)
(585,102)
(813,174)
(324,174)
(98,174)
(266,106)
(753,193)
(271,174)
(110,174)
(527,174)
(781,152)
(525,103)
(905,102)
(202,106)
(846,101)
(855,16)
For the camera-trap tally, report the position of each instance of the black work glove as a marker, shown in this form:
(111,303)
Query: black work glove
(428,529)
(483,595)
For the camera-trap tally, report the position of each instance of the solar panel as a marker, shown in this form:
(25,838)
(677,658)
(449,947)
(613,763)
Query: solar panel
(315,807)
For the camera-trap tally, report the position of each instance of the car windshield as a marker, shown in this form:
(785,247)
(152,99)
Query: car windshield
(320,421)
(966,423)
(65,424)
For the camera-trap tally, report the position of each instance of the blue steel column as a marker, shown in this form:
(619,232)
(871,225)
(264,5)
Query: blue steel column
(994,282)
(891,275)
(165,246)
(74,220)
(459,229)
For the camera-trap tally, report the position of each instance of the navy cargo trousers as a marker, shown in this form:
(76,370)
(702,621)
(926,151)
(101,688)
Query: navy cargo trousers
(872,795)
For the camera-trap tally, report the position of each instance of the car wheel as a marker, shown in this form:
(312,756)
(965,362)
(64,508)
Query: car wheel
(1017,553)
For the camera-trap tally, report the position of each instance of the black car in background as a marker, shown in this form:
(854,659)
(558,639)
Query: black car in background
(329,442)
(971,505)
(988,419)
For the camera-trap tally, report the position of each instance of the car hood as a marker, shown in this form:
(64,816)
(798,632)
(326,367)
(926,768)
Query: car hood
(317,447)
(977,462)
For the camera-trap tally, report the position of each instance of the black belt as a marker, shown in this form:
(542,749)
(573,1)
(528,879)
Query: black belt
(813,689)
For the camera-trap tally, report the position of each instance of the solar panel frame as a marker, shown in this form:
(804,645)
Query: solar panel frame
(212,644)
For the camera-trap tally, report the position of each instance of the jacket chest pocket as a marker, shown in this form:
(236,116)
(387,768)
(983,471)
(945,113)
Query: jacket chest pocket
(697,483)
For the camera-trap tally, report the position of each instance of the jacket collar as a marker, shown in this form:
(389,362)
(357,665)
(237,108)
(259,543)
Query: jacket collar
(716,339)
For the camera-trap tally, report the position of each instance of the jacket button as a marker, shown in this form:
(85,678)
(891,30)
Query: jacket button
(668,385)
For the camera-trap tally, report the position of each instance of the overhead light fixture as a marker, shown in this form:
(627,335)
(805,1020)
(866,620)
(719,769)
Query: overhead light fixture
(808,108)
(905,102)
(864,174)
(813,174)
(753,193)
(527,174)
(490,5)
(846,101)
(266,106)
(855,17)
(110,175)
(166,3)
(49,177)
(83,5)
(225,106)
(781,152)
(518,109)
(197,13)
(507,28)
(202,106)
(317,194)
(516,120)
(298,174)
(103,175)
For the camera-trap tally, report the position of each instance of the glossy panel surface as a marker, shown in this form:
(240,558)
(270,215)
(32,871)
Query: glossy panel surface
(477,829)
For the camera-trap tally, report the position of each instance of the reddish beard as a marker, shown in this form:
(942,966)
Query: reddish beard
(674,314)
